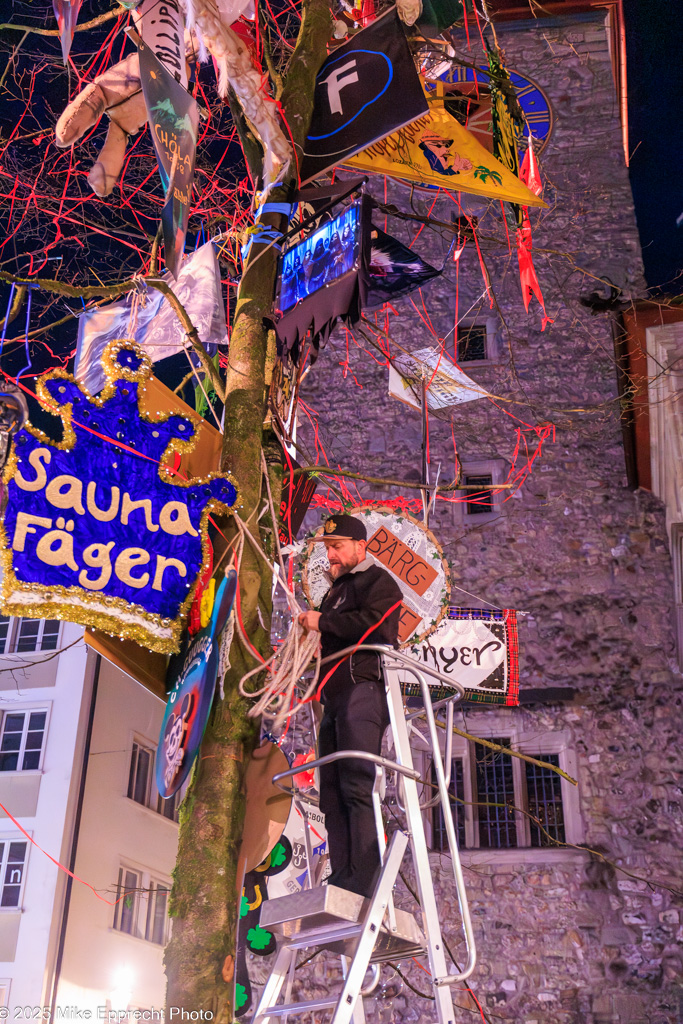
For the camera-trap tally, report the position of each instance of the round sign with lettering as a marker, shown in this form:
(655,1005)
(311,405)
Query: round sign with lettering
(410,552)
(192,674)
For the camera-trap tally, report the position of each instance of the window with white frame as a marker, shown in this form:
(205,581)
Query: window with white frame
(142,786)
(22,740)
(23,636)
(12,872)
(142,906)
(502,802)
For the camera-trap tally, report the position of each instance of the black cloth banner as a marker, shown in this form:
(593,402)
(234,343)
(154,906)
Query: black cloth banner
(342,298)
(366,89)
(173,120)
(395,269)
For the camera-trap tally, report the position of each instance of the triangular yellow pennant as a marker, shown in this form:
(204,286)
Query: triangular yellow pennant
(437,150)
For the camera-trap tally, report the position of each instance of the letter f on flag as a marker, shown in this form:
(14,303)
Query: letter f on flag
(335,82)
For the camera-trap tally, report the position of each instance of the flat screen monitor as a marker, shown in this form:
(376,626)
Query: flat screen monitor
(321,258)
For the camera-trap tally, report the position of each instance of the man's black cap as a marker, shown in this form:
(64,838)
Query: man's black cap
(342,527)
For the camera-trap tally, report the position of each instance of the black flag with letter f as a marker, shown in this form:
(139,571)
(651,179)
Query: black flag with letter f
(365,90)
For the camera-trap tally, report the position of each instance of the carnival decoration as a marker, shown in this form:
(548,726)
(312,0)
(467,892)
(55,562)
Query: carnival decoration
(479,649)
(192,678)
(173,118)
(367,88)
(281,873)
(447,385)
(154,323)
(97,529)
(162,27)
(66,13)
(323,278)
(395,270)
(438,15)
(268,807)
(118,92)
(527,272)
(410,552)
(297,493)
(436,150)
(467,97)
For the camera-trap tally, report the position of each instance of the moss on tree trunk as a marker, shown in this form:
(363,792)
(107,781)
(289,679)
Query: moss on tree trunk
(204,898)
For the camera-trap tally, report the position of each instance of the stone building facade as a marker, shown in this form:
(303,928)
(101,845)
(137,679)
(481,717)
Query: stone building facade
(564,937)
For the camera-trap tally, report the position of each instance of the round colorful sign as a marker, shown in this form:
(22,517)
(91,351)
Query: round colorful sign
(193,673)
(410,552)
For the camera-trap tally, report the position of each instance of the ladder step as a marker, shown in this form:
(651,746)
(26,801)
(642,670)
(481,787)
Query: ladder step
(281,1011)
(331,918)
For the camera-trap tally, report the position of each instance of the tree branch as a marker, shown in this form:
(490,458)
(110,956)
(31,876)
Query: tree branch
(380,481)
(99,20)
(122,288)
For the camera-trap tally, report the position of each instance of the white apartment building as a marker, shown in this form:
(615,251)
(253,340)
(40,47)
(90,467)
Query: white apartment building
(77,744)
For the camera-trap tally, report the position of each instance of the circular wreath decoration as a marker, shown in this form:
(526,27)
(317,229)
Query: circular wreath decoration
(428,608)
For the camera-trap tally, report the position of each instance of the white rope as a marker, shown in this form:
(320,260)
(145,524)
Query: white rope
(277,701)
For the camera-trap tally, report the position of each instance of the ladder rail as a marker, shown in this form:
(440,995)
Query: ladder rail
(404,659)
(470,944)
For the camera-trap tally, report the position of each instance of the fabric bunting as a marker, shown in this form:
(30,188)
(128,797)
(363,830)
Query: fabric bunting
(154,324)
(527,272)
(437,151)
(366,89)
(173,120)
(478,648)
(395,269)
(66,13)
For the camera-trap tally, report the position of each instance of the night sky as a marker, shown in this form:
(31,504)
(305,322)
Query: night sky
(654,41)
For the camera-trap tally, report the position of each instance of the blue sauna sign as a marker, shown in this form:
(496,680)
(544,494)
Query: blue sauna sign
(98,528)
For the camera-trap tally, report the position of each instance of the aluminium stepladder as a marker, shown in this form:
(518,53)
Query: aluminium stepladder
(366,932)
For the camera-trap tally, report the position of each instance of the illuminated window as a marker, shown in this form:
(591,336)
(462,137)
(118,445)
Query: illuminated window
(142,907)
(142,786)
(21,741)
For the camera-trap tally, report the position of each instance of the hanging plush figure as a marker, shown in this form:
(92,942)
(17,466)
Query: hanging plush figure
(118,92)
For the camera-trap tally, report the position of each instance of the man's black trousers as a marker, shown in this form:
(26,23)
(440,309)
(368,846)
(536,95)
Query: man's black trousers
(355,719)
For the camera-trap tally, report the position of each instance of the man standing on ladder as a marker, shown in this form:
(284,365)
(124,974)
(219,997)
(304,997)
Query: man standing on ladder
(361,606)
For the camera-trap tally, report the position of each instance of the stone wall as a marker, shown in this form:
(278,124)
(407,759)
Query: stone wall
(563,937)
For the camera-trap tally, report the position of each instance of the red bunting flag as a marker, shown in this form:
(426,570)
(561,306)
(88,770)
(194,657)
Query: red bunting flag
(530,175)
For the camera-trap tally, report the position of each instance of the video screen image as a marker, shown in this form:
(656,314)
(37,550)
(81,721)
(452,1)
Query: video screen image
(321,258)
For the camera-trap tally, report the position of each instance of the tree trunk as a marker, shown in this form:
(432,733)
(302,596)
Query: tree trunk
(200,956)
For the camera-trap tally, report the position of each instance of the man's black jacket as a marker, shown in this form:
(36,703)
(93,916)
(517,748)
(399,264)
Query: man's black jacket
(354,604)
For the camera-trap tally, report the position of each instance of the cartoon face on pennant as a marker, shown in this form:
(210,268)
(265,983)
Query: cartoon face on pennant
(437,151)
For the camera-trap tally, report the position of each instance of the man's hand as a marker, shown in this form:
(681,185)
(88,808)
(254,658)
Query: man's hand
(310,621)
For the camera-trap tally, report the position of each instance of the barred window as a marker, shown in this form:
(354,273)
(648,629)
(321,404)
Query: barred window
(500,805)
(472,343)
